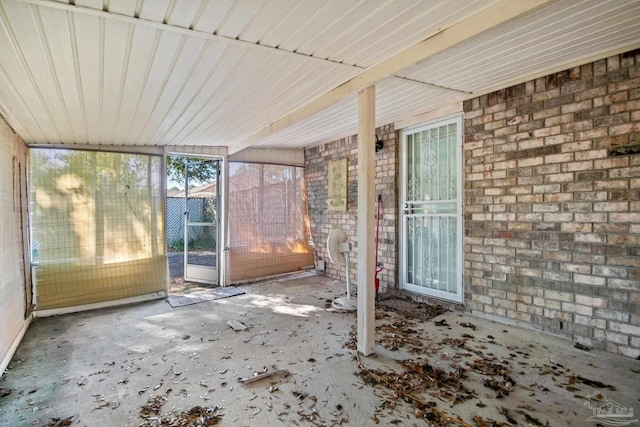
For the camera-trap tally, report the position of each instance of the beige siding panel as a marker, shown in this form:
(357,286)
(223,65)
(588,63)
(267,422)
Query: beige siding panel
(12,281)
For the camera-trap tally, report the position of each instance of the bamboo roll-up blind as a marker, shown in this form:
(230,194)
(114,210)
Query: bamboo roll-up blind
(98,229)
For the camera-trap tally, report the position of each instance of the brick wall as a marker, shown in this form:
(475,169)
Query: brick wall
(323,221)
(552,203)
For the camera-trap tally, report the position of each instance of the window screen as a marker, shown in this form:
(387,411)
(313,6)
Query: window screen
(269,230)
(97,226)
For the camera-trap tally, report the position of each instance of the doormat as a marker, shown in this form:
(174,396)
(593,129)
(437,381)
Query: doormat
(202,296)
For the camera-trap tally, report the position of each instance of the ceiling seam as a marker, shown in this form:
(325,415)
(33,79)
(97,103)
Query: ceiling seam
(299,104)
(266,97)
(198,14)
(197,33)
(565,66)
(202,132)
(143,87)
(420,16)
(16,48)
(302,25)
(489,18)
(345,46)
(125,75)
(165,81)
(179,92)
(168,27)
(22,103)
(44,41)
(195,95)
(255,17)
(336,22)
(558,34)
(199,92)
(284,18)
(76,60)
(430,85)
(168,12)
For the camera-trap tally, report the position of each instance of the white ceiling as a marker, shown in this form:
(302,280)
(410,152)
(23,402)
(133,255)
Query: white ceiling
(276,73)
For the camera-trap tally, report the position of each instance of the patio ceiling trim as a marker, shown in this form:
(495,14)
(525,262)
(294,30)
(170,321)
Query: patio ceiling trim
(491,17)
(277,156)
(133,149)
(216,151)
(180,30)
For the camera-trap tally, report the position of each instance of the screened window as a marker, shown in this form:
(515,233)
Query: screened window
(269,230)
(97,226)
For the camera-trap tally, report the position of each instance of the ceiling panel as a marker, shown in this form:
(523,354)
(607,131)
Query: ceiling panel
(89,58)
(560,34)
(241,73)
(213,13)
(239,17)
(303,12)
(271,16)
(394,99)
(421,21)
(155,10)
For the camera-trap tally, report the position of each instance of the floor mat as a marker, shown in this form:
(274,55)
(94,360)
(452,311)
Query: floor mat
(201,296)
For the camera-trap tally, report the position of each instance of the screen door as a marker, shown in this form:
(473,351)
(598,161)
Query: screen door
(201,221)
(431,210)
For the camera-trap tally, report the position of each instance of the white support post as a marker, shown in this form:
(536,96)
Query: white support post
(223,232)
(366,220)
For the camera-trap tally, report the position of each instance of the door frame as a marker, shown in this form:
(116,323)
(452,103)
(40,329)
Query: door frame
(402,226)
(195,272)
(222,235)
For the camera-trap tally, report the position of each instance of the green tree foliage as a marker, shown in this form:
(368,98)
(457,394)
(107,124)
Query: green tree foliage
(200,169)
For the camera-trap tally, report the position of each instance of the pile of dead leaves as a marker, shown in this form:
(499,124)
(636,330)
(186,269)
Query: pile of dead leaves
(197,416)
(418,377)
(60,422)
(393,333)
(500,380)
(411,309)
(400,333)
(153,406)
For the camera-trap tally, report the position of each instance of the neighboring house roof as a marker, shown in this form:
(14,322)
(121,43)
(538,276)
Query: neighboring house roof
(246,180)
(241,181)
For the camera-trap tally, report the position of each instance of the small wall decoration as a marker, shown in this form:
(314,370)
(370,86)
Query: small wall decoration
(337,200)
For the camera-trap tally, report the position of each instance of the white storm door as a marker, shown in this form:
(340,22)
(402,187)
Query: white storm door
(431,210)
(201,233)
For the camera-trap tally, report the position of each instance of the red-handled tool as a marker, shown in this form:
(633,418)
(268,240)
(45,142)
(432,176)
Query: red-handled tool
(379,267)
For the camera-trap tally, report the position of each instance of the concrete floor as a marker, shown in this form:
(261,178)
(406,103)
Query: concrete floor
(101,367)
